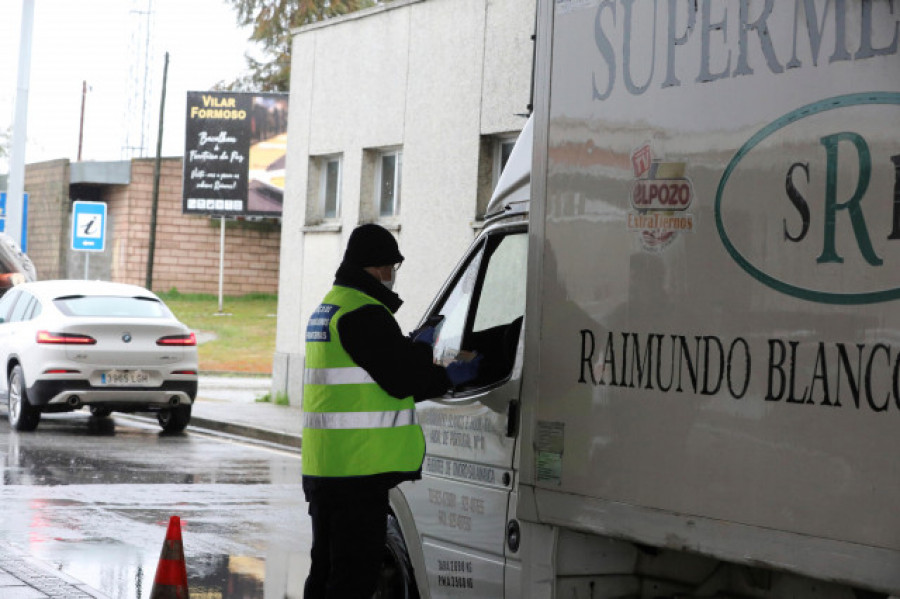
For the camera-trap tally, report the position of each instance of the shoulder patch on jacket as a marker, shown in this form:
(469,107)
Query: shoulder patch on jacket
(319,327)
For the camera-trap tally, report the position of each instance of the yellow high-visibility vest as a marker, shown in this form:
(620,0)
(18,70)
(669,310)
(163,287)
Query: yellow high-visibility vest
(351,426)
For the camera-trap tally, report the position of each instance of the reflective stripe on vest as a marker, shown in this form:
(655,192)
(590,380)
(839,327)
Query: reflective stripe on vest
(351,426)
(342,420)
(348,375)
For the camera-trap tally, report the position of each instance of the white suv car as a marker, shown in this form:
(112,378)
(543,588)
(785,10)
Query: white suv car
(109,346)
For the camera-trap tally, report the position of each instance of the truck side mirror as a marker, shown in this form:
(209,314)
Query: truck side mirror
(432,322)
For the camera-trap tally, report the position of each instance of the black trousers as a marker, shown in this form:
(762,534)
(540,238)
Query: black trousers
(349,535)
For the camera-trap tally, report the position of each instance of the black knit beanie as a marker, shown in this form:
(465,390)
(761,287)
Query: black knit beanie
(372,245)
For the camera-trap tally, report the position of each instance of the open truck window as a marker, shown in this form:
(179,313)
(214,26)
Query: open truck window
(482,313)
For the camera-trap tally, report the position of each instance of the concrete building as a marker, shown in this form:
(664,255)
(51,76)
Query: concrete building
(401,115)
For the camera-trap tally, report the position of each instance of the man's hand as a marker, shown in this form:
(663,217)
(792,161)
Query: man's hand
(424,335)
(463,371)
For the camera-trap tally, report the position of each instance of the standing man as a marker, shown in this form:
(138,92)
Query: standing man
(360,436)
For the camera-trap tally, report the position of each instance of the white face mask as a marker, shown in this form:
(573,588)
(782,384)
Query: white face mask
(390,282)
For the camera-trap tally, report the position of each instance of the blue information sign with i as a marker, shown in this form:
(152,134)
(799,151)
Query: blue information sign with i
(89,226)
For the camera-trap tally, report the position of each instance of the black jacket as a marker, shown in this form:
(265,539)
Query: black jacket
(401,367)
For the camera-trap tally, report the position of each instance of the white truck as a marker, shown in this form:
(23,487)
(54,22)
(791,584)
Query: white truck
(687,296)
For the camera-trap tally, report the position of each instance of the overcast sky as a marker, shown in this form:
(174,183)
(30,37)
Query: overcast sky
(94,41)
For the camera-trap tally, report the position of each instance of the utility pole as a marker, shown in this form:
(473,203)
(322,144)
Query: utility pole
(15,196)
(81,125)
(148,282)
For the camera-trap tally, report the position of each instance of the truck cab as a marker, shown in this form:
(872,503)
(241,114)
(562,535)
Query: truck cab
(457,520)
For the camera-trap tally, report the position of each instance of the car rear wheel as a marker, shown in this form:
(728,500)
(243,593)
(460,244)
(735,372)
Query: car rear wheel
(22,415)
(175,420)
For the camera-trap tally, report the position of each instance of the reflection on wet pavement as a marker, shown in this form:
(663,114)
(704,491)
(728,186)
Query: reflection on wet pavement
(93,497)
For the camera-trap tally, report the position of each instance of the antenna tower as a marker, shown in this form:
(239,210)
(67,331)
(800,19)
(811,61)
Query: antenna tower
(140,79)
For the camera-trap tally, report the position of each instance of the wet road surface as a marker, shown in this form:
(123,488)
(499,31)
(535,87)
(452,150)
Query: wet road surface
(93,497)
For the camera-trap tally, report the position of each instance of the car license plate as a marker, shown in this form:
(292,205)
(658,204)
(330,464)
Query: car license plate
(125,377)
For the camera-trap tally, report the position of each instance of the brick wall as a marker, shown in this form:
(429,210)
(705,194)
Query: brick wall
(47,186)
(186,255)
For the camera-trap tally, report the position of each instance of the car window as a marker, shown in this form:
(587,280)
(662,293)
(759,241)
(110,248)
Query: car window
(109,305)
(21,308)
(7,302)
(34,311)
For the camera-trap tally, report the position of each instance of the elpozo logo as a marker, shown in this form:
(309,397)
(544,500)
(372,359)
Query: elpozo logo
(810,204)
(660,196)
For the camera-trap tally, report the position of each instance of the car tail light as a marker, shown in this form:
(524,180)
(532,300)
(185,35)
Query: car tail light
(183,340)
(193,372)
(64,338)
(61,371)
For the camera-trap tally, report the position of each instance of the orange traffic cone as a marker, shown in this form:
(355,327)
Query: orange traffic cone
(171,573)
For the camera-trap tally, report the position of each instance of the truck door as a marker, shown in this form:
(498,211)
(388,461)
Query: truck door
(461,504)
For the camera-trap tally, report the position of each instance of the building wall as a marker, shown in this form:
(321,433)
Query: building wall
(186,255)
(47,186)
(437,78)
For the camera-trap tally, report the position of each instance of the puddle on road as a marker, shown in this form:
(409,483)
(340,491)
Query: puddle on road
(209,576)
(227,577)
(97,511)
(116,550)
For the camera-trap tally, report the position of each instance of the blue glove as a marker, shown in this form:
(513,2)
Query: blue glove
(425,335)
(461,372)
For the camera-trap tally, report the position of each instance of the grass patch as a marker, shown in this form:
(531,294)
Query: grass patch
(240,340)
(281,399)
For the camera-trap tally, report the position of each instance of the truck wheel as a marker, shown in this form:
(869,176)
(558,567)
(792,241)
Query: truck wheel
(22,415)
(398,580)
(175,420)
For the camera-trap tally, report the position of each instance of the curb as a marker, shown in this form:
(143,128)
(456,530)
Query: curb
(285,441)
(251,432)
(235,374)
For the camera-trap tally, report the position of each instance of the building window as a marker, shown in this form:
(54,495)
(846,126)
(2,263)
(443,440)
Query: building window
(323,190)
(503,147)
(493,156)
(330,190)
(388,182)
